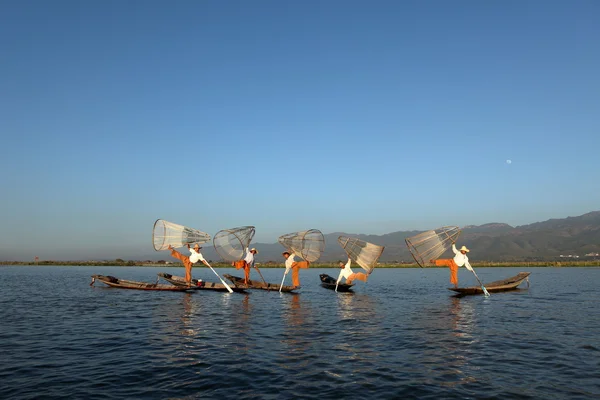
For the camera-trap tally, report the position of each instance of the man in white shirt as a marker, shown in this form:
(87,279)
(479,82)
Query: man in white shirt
(291,263)
(460,259)
(246,263)
(350,275)
(194,257)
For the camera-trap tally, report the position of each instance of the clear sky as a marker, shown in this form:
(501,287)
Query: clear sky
(356,116)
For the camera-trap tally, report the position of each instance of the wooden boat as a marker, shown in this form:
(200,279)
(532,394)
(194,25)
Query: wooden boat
(126,284)
(329,283)
(498,286)
(239,282)
(179,281)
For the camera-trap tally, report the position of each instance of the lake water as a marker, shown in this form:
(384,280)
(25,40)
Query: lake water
(401,335)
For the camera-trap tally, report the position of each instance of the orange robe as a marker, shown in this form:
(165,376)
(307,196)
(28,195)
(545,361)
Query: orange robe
(356,275)
(243,264)
(295,271)
(453,269)
(186,263)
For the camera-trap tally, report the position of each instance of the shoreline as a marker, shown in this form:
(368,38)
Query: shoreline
(483,264)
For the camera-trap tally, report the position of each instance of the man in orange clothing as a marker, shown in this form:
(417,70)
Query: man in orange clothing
(194,257)
(246,263)
(460,259)
(291,263)
(346,272)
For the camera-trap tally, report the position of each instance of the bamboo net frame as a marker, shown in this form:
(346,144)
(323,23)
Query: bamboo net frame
(429,245)
(308,245)
(165,233)
(231,244)
(361,252)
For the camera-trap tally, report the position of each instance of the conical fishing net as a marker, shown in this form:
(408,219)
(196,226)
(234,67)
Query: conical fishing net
(308,245)
(166,233)
(231,243)
(430,245)
(363,253)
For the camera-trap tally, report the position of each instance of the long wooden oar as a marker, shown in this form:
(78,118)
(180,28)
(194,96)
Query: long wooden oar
(485,292)
(218,276)
(338,281)
(261,277)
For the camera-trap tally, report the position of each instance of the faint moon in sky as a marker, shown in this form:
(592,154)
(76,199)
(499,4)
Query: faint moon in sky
(509,161)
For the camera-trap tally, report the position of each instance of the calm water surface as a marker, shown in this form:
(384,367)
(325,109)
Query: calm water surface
(402,335)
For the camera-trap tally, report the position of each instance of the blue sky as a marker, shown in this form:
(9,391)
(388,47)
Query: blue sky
(355,116)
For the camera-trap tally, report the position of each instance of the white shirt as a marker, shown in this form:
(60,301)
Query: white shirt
(346,271)
(195,256)
(249,258)
(288,263)
(461,259)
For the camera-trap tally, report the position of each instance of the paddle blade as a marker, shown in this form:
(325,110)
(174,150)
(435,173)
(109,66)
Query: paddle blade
(485,292)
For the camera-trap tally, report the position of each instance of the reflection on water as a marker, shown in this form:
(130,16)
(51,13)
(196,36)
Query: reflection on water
(296,313)
(463,318)
(463,321)
(241,322)
(345,301)
(180,312)
(360,328)
(400,337)
(447,338)
(189,309)
(356,306)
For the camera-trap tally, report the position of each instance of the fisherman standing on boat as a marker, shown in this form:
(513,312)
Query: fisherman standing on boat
(460,259)
(290,263)
(350,275)
(246,263)
(194,257)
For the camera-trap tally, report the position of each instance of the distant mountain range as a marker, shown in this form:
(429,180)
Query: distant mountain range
(540,241)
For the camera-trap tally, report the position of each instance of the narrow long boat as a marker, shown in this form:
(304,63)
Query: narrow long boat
(127,284)
(329,283)
(239,282)
(504,285)
(179,281)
